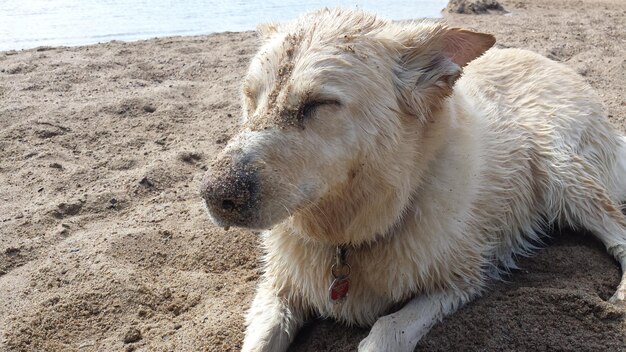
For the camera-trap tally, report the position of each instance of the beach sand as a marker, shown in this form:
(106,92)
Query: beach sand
(105,245)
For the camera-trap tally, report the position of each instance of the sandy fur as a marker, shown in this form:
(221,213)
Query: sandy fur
(434,184)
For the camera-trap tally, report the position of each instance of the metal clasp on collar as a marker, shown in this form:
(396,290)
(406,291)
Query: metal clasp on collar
(340,271)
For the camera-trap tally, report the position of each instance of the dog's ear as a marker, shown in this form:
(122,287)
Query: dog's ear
(430,63)
(462,46)
(267,30)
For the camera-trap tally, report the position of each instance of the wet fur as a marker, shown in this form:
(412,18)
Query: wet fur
(435,180)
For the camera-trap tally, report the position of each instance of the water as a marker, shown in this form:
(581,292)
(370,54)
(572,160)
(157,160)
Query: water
(32,23)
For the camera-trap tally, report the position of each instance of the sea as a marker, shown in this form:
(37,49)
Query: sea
(33,23)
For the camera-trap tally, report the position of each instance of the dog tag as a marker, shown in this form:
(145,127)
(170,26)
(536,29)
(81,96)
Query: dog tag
(339,289)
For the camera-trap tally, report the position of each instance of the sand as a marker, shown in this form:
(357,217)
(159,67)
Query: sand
(105,246)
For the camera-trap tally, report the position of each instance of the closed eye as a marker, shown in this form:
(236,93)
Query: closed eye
(310,107)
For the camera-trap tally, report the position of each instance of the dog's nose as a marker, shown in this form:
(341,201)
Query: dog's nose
(230,194)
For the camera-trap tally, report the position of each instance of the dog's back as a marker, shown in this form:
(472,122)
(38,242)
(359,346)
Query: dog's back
(523,90)
(544,130)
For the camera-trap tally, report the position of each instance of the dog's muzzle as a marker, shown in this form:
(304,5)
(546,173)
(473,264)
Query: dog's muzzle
(231,194)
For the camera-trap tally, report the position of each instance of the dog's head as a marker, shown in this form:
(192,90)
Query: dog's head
(336,109)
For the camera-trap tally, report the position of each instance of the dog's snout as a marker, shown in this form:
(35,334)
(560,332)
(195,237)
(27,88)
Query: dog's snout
(228,205)
(231,194)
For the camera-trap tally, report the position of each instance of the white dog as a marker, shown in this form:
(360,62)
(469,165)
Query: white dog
(405,164)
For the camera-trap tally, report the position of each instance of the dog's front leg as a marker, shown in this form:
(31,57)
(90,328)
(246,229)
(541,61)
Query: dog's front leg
(272,321)
(402,330)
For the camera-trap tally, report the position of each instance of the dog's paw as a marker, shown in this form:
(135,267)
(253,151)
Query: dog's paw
(388,335)
(619,298)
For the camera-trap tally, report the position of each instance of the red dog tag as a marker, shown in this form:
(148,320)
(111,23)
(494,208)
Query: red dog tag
(339,288)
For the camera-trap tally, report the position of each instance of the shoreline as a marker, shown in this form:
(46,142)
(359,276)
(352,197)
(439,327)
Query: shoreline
(42,24)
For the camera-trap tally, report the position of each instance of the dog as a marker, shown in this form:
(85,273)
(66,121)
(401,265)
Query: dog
(405,165)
